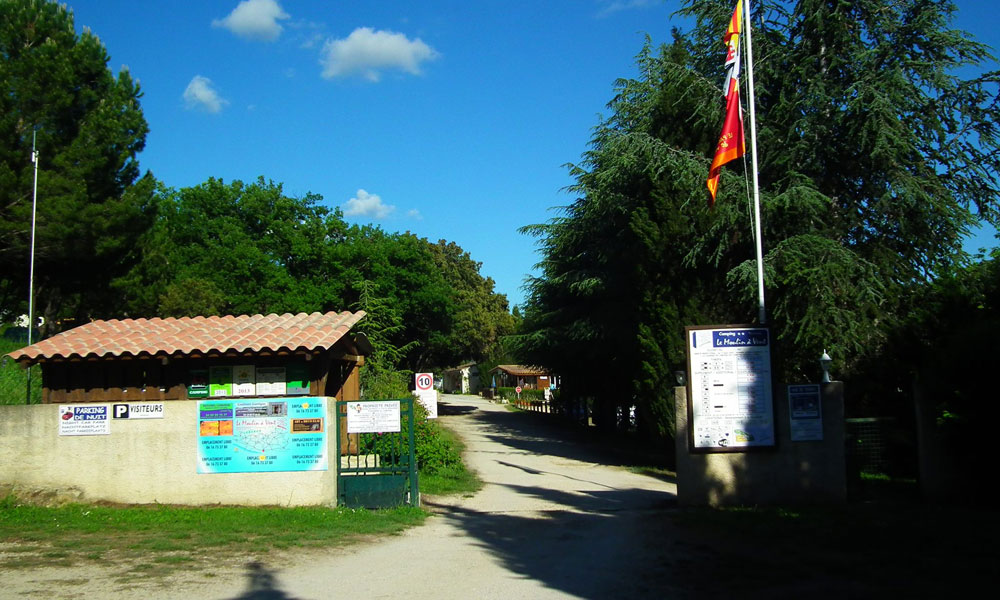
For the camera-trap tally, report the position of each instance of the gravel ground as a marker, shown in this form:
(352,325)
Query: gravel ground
(554,520)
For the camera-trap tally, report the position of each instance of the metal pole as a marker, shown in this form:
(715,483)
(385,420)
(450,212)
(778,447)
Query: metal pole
(761,312)
(31,268)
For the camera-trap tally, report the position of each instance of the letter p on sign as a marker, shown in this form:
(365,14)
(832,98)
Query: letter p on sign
(120,411)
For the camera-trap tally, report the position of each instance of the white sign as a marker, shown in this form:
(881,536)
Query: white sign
(429,400)
(137,410)
(244,380)
(270,381)
(730,388)
(805,413)
(373,417)
(84,419)
(426,394)
(425,381)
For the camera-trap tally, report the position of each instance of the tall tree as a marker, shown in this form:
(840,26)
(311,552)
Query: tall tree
(89,128)
(481,317)
(236,248)
(875,159)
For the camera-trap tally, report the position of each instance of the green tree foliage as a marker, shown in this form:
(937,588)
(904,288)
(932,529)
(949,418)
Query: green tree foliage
(239,249)
(481,317)
(89,127)
(875,158)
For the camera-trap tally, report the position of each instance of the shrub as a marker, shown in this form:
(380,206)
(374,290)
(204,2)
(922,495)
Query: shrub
(509,393)
(435,451)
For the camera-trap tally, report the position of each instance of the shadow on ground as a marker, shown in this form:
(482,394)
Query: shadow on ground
(537,433)
(593,543)
(262,585)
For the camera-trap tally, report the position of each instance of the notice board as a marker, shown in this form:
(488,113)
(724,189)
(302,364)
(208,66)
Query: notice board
(730,403)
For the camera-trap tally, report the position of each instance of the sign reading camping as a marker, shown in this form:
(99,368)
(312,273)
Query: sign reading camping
(730,404)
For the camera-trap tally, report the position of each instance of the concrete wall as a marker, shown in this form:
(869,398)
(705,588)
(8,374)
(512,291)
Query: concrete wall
(791,473)
(143,461)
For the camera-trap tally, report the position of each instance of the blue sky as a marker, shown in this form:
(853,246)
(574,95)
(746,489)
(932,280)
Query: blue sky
(450,119)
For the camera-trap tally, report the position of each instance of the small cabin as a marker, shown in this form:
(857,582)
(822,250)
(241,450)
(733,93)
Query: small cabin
(529,378)
(142,360)
(463,379)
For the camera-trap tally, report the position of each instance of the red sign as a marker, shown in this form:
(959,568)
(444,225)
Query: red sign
(425,381)
(518,389)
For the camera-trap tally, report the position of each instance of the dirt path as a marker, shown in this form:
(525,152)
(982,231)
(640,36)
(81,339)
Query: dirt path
(554,520)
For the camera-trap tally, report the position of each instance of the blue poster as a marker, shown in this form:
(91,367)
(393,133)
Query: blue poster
(262,435)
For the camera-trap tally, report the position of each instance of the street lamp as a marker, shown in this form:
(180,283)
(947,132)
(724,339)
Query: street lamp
(824,363)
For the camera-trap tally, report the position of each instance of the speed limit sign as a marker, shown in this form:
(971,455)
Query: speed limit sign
(425,381)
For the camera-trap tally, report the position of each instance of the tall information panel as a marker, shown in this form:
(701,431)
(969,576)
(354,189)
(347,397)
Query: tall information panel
(730,404)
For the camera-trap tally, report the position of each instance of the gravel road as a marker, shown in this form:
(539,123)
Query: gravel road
(555,519)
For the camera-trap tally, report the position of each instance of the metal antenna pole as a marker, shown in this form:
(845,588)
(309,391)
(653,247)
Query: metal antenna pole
(31,269)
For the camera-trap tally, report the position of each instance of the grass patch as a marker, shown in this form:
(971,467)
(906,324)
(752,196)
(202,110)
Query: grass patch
(173,537)
(660,472)
(13,378)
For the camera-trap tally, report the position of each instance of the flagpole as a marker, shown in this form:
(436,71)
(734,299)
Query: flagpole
(761,312)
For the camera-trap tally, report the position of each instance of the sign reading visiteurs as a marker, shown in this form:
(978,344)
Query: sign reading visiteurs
(262,435)
(729,395)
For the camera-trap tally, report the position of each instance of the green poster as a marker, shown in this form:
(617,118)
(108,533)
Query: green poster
(220,381)
(297,379)
(198,383)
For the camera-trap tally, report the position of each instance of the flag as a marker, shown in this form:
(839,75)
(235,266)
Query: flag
(730,146)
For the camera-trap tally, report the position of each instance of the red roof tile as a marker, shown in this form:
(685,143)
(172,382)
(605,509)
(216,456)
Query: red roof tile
(170,337)
(521,370)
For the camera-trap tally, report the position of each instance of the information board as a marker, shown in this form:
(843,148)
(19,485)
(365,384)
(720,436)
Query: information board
(373,417)
(262,435)
(730,403)
(805,413)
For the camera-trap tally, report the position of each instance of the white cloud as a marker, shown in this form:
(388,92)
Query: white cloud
(622,5)
(367,205)
(201,95)
(415,214)
(254,20)
(367,52)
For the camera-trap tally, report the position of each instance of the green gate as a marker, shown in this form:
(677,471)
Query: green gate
(377,470)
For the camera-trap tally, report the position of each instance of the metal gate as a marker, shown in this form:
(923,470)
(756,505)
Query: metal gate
(377,470)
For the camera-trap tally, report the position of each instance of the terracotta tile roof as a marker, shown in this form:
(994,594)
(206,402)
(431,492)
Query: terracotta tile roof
(201,335)
(521,370)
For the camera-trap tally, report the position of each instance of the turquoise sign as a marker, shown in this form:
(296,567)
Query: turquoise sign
(262,435)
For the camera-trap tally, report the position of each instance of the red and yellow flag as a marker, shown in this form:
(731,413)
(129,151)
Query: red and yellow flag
(731,144)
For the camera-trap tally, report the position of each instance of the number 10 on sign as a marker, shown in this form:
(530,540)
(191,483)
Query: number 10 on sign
(425,381)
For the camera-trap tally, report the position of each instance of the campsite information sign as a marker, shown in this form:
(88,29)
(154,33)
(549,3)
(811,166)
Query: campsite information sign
(373,417)
(730,405)
(262,435)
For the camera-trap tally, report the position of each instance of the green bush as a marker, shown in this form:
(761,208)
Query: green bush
(509,393)
(435,451)
(380,385)
(13,378)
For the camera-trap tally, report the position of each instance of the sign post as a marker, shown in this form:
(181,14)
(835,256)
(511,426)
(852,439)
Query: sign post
(426,394)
